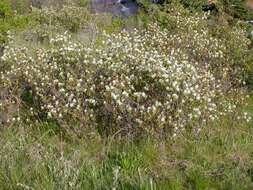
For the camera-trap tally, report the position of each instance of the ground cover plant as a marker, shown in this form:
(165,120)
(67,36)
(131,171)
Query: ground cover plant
(10,20)
(40,157)
(160,100)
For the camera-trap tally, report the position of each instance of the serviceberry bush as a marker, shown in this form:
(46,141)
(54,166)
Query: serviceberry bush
(148,80)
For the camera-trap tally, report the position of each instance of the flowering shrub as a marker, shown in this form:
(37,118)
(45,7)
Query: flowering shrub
(225,48)
(130,80)
(151,80)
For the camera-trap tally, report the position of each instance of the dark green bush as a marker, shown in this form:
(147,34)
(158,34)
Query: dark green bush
(5,10)
(235,8)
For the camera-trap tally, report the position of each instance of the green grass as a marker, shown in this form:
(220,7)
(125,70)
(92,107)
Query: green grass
(40,157)
(12,21)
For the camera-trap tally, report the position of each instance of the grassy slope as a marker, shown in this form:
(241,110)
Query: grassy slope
(221,157)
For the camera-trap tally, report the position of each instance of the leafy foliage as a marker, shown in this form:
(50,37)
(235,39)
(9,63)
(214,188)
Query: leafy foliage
(234,8)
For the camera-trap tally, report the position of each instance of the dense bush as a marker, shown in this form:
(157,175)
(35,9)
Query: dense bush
(234,8)
(179,73)
(150,79)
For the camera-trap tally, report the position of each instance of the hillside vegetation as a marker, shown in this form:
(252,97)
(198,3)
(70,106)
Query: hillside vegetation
(160,100)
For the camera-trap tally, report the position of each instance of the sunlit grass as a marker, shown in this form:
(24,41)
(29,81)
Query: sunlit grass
(220,157)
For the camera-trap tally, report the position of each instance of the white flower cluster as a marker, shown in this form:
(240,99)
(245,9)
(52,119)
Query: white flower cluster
(144,80)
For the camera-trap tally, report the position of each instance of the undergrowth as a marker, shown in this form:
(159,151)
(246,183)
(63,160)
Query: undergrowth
(40,157)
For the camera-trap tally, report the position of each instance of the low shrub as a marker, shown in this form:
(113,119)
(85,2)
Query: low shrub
(178,74)
(131,82)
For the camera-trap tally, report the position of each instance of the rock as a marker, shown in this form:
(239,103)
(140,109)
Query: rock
(250,4)
(122,8)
